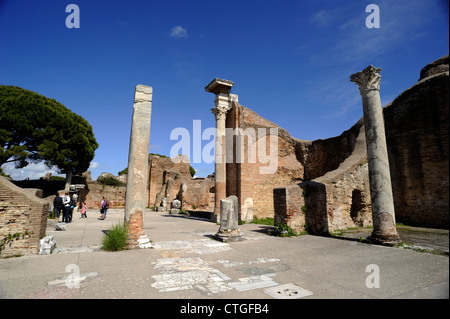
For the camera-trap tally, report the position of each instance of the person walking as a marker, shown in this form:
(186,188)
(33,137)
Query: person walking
(105,206)
(66,203)
(83,210)
(58,206)
(102,205)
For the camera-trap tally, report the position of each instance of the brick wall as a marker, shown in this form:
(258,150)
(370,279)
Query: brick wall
(20,211)
(417,137)
(338,196)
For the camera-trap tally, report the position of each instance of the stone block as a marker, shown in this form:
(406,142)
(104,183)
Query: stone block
(46,245)
(60,226)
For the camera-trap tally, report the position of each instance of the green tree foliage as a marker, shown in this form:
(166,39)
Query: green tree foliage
(36,128)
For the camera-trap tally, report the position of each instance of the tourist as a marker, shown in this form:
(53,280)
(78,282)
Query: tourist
(105,206)
(73,203)
(66,203)
(57,206)
(102,205)
(83,210)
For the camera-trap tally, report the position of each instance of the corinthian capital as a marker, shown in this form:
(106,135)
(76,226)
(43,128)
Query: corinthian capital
(367,79)
(220,112)
(223,105)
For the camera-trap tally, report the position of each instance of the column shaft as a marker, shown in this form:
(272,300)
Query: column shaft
(383,212)
(220,166)
(137,176)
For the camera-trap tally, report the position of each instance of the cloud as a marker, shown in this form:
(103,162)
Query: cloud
(94,165)
(178,32)
(321,18)
(31,171)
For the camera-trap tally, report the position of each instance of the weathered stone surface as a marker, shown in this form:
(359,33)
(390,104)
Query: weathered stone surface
(246,214)
(137,177)
(60,226)
(175,204)
(46,245)
(222,106)
(381,195)
(435,67)
(229,213)
(21,212)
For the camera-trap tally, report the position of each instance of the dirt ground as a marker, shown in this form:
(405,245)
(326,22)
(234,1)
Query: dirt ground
(417,238)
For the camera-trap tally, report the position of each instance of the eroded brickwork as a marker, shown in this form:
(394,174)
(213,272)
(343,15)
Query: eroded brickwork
(20,212)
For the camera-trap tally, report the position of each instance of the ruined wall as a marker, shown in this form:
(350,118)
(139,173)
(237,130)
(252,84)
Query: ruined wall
(339,199)
(416,125)
(246,179)
(417,137)
(21,211)
(157,180)
(298,160)
(95,191)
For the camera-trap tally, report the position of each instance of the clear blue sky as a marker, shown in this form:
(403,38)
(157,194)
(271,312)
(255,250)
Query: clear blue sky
(290,61)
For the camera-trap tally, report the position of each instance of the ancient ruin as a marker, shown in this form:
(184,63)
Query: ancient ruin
(221,88)
(383,214)
(135,199)
(319,186)
(229,215)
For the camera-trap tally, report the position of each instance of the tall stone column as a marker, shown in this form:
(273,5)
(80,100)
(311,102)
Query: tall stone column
(222,90)
(137,176)
(383,213)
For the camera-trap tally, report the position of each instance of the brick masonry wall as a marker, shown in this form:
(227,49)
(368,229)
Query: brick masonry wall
(20,211)
(416,125)
(417,137)
(245,178)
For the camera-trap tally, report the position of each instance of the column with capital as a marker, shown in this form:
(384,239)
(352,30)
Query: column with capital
(222,102)
(383,213)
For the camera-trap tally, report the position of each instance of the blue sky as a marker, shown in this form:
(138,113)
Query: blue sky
(290,62)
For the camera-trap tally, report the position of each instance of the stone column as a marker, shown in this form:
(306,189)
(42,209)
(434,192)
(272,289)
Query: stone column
(222,90)
(137,176)
(383,214)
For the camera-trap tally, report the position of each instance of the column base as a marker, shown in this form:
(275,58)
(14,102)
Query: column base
(136,235)
(384,239)
(229,236)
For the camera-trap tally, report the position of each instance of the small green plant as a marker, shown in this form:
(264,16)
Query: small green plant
(304,208)
(116,238)
(283,230)
(263,221)
(10,237)
(194,206)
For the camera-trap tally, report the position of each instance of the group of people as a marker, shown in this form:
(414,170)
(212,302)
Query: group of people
(65,205)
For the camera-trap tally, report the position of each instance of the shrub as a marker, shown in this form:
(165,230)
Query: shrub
(284,230)
(116,238)
(109,181)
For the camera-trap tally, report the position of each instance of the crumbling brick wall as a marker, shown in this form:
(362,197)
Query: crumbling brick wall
(244,177)
(339,199)
(416,124)
(21,212)
(417,137)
